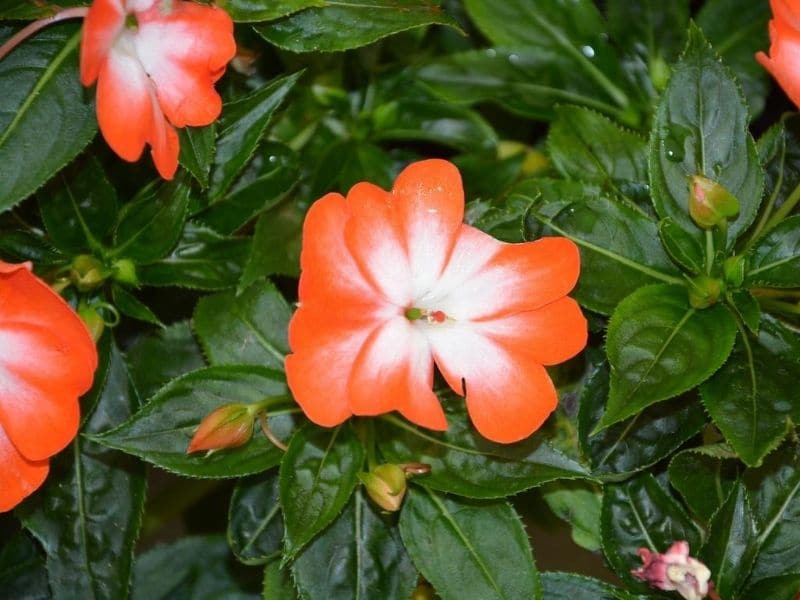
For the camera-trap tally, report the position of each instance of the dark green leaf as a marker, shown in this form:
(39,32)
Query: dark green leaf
(347,162)
(248,329)
(684,248)
(150,225)
(255,525)
(659,346)
(202,260)
(587,146)
(276,244)
(359,556)
(653,29)
(197,150)
(620,250)
(775,260)
(635,444)
(704,477)
(469,551)
(265,10)
(752,398)
(701,128)
(783,587)
(46,117)
(464,463)
(87,516)
(731,545)
(243,124)
(130,306)
(19,246)
(343,25)
(161,431)
(571,586)
(747,307)
(22,570)
(163,355)
(79,207)
(318,475)
(578,503)
(637,514)
(193,568)
(24,10)
(779,151)
(278,584)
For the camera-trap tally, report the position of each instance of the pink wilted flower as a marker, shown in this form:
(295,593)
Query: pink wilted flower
(675,571)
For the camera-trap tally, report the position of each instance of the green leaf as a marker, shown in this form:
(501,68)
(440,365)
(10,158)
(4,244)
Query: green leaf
(88,514)
(731,545)
(265,10)
(783,587)
(701,129)
(360,556)
(738,29)
(22,569)
(150,225)
(638,443)
(684,248)
(46,117)
(248,329)
(202,260)
(464,463)
(639,513)
(130,306)
(774,491)
(747,307)
(469,550)
(197,150)
(161,356)
(79,207)
(161,431)
(571,586)
(620,250)
(20,245)
(752,398)
(241,128)
(578,503)
(276,244)
(193,568)
(278,584)
(652,29)
(779,152)
(277,173)
(317,476)
(587,146)
(433,121)
(659,347)
(775,260)
(255,524)
(704,476)
(340,26)
(347,162)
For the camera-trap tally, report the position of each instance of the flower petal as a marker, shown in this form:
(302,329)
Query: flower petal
(429,207)
(184,51)
(394,371)
(103,23)
(508,396)
(19,477)
(784,58)
(485,278)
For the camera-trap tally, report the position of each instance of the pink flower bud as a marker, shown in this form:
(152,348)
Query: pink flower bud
(229,426)
(710,204)
(674,571)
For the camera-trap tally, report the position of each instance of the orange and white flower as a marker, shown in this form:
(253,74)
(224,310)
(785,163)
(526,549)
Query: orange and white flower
(394,281)
(155,63)
(47,360)
(783,61)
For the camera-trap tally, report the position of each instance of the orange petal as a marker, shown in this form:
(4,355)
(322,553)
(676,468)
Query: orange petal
(787,12)
(784,59)
(429,208)
(508,396)
(548,335)
(185,51)
(103,22)
(165,145)
(19,477)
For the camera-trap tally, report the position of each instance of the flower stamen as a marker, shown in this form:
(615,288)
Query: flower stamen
(431,316)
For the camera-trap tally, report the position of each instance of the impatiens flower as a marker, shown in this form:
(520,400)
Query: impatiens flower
(155,63)
(47,360)
(674,571)
(393,281)
(783,61)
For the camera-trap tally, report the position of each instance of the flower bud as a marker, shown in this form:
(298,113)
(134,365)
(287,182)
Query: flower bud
(124,271)
(87,273)
(705,291)
(733,267)
(710,204)
(674,571)
(229,426)
(386,485)
(93,320)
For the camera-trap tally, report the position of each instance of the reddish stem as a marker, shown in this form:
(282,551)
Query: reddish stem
(77,12)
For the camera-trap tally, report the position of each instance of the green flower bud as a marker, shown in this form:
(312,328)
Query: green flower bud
(124,271)
(710,204)
(386,485)
(93,320)
(87,273)
(733,267)
(705,291)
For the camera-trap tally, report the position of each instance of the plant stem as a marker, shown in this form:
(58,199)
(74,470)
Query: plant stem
(789,308)
(784,210)
(709,251)
(77,12)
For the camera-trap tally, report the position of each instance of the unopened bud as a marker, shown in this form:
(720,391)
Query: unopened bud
(87,273)
(124,271)
(733,267)
(386,485)
(710,204)
(674,571)
(93,320)
(229,426)
(705,291)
